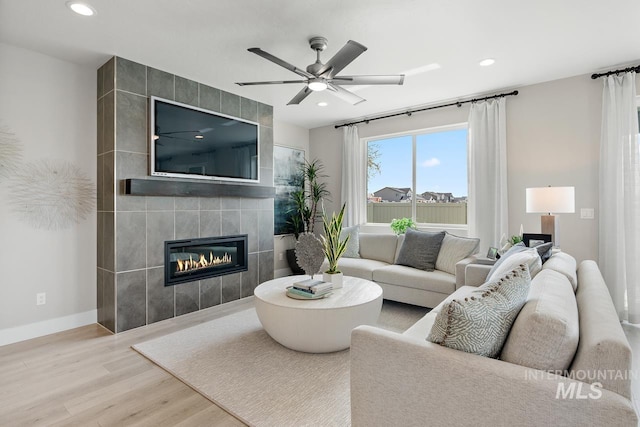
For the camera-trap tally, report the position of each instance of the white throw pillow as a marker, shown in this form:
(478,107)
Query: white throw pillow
(353,245)
(529,257)
(454,249)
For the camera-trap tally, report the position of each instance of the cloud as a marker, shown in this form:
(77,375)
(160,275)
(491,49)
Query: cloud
(431,162)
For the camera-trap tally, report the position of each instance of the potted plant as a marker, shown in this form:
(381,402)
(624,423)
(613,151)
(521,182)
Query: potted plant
(333,246)
(306,199)
(400,225)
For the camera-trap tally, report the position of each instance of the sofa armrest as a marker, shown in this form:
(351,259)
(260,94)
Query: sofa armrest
(476,274)
(460,270)
(400,381)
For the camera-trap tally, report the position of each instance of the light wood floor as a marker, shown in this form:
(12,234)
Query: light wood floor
(91,377)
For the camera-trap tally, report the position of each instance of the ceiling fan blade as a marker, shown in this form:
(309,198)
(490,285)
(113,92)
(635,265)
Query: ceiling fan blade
(369,80)
(345,95)
(344,57)
(280,82)
(300,96)
(280,62)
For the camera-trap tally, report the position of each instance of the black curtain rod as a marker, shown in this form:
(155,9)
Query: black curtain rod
(623,70)
(410,112)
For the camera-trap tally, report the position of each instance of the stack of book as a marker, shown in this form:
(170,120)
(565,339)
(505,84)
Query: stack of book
(310,288)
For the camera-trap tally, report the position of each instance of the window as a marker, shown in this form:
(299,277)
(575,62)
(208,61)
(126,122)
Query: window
(420,175)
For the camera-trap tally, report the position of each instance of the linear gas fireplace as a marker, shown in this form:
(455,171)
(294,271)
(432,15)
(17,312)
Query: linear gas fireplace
(195,259)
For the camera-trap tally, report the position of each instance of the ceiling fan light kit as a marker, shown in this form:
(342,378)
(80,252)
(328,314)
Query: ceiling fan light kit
(319,76)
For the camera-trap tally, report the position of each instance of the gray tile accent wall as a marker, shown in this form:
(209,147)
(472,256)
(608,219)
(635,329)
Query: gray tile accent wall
(132,230)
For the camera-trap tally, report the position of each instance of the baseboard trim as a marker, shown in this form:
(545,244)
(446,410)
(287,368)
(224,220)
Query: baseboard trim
(47,327)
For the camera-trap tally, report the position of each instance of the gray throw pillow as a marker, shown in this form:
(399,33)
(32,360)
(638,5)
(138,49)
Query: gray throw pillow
(420,249)
(544,250)
(518,247)
(353,245)
(480,323)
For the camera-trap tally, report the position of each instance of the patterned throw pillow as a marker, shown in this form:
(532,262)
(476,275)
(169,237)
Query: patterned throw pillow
(353,245)
(420,249)
(480,323)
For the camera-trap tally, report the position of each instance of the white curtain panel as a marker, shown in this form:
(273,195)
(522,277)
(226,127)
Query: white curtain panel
(487,209)
(619,231)
(354,177)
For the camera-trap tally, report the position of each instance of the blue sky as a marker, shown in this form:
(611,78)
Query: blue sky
(441,163)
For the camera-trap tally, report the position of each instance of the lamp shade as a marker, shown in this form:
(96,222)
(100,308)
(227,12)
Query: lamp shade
(551,200)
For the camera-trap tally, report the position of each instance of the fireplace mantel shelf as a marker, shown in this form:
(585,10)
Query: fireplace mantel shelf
(173,187)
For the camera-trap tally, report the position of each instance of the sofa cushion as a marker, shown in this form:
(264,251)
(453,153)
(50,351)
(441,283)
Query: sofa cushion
(380,247)
(529,256)
(357,267)
(546,332)
(409,277)
(454,249)
(565,264)
(480,322)
(421,328)
(353,245)
(420,249)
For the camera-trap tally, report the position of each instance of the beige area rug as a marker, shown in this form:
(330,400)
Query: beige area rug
(233,362)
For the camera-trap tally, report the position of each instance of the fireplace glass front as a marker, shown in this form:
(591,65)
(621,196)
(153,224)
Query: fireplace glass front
(195,259)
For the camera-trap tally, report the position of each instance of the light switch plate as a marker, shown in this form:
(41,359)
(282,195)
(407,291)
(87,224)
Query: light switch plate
(586,213)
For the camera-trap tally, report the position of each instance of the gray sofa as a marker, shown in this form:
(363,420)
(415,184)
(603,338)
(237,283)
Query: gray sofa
(378,253)
(569,363)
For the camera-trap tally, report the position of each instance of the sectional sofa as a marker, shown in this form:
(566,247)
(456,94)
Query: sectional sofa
(565,361)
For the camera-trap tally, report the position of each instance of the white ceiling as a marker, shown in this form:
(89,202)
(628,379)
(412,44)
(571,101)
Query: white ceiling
(207,41)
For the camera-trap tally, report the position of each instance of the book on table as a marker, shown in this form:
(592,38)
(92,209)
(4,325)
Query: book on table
(313,286)
(298,294)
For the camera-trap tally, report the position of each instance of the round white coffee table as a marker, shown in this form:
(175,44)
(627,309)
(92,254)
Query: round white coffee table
(317,326)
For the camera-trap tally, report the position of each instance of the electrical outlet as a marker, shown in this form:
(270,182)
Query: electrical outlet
(280,256)
(41,298)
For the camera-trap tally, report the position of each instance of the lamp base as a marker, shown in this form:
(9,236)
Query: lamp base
(548,225)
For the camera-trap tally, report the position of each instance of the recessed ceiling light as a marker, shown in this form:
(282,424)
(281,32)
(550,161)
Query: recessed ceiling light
(487,62)
(322,104)
(199,137)
(81,8)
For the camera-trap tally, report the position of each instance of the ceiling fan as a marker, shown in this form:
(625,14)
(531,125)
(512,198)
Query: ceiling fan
(319,76)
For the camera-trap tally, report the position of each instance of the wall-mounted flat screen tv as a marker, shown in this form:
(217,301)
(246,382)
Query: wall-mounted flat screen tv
(190,142)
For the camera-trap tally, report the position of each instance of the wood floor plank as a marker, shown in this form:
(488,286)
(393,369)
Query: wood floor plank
(90,377)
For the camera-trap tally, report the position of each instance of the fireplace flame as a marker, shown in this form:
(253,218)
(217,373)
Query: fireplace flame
(191,264)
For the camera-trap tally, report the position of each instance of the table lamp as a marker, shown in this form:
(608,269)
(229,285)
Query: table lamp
(550,200)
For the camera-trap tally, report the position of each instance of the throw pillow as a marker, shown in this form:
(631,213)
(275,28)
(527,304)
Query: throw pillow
(529,256)
(518,247)
(420,249)
(544,250)
(480,323)
(353,245)
(454,249)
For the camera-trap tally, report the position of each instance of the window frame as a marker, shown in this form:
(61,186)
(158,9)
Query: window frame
(414,134)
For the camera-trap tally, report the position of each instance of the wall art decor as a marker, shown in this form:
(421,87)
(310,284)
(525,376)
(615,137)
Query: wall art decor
(51,195)
(10,153)
(287,167)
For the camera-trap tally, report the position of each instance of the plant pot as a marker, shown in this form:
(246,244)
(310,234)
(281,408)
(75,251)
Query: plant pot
(335,279)
(293,262)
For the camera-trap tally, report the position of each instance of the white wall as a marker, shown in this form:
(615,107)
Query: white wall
(287,135)
(553,134)
(50,106)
